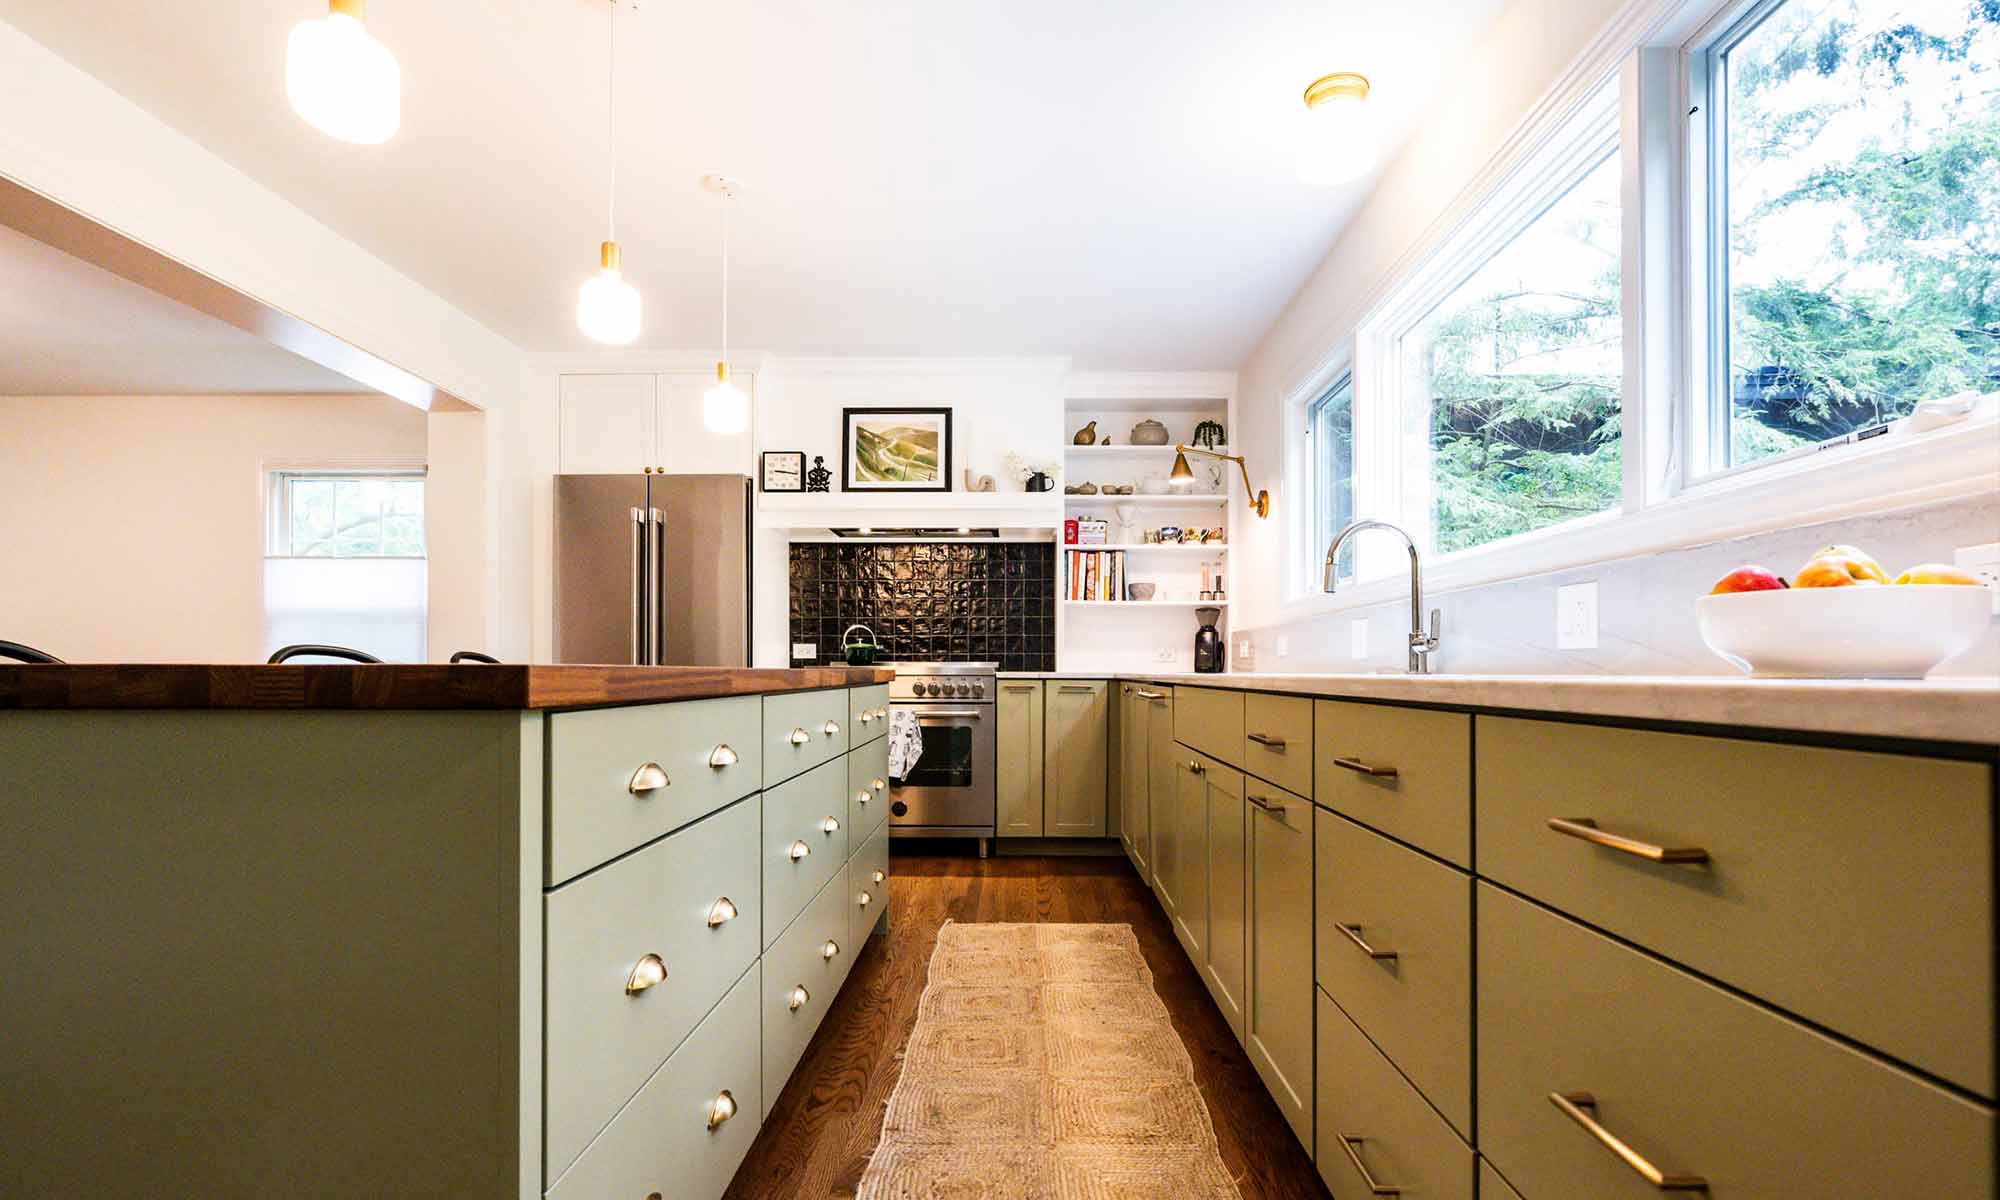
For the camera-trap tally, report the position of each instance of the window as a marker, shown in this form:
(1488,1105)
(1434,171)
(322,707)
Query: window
(1330,434)
(1512,381)
(344,562)
(324,515)
(1853,219)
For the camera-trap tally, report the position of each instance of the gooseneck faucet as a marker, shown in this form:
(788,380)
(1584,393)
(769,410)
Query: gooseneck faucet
(1421,644)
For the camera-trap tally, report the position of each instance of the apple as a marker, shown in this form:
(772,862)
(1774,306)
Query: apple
(1837,570)
(1939,573)
(1750,578)
(1870,568)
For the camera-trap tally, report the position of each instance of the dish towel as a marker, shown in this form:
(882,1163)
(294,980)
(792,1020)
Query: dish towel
(906,742)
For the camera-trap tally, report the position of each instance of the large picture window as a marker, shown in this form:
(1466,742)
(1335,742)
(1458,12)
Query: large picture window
(1853,218)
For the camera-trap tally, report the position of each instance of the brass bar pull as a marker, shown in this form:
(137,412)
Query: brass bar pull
(1087,691)
(1359,767)
(1585,829)
(1022,687)
(1264,739)
(1276,810)
(1352,1146)
(1573,1104)
(1353,933)
(1143,694)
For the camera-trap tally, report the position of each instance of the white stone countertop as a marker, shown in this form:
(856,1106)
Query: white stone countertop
(1939,710)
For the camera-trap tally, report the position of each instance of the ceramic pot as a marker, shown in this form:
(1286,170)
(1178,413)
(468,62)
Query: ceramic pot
(1149,433)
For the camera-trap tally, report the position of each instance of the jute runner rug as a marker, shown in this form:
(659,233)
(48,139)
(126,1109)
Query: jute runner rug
(1044,1067)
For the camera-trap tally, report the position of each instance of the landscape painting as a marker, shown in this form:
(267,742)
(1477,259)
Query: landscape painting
(896,450)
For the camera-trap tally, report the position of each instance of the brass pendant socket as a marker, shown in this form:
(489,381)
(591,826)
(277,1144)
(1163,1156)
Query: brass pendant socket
(1338,84)
(609,256)
(722,372)
(348,8)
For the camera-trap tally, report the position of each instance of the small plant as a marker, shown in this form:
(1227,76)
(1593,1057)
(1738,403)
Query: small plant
(1021,468)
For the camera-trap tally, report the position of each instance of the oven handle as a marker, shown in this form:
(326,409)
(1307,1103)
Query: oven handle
(961,712)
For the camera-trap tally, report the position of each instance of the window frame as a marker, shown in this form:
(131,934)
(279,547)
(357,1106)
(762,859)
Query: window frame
(278,504)
(1320,529)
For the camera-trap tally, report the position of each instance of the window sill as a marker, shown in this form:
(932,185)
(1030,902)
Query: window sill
(1900,471)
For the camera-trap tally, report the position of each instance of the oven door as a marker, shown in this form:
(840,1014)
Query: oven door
(950,789)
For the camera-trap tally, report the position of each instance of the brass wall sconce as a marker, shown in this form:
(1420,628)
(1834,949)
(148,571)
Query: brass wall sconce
(1182,476)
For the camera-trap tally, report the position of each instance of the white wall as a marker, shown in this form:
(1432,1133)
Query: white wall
(134,527)
(455,534)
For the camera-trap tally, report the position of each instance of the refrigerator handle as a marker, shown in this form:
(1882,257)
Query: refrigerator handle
(656,556)
(635,621)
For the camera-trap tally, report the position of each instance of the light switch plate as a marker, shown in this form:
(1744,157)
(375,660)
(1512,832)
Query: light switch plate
(1243,647)
(1576,616)
(1162,654)
(805,650)
(1983,561)
(1357,638)
(1284,646)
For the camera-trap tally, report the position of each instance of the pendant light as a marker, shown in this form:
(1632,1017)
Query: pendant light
(1338,140)
(342,81)
(607,308)
(724,407)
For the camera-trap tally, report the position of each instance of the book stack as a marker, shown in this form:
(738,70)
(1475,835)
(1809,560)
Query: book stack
(1097,575)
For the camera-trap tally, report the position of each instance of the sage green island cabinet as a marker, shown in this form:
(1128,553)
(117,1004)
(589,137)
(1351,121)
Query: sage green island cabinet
(1019,759)
(1077,773)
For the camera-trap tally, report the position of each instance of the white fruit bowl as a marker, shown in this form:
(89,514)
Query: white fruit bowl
(1844,632)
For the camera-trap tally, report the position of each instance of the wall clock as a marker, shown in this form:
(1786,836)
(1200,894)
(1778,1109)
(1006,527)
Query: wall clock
(783,470)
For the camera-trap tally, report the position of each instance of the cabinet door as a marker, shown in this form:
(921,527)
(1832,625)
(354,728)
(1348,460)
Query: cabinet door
(685,446)
(607,424)
(1279,1025)
(1079,728)
(1227,971)
(1164,762)
(1018,773)
(1191,853)
(1134,719)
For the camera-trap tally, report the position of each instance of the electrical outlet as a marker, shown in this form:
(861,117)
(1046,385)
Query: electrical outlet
(1576,616)
(1243,647)
(1983,561)
(1284,646)
(1162,654)
(1357,638)
(804,650)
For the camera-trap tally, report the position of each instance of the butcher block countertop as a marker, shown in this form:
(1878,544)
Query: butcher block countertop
(397,685)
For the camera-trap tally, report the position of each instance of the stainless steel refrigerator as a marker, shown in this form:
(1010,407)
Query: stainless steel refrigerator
(653,569)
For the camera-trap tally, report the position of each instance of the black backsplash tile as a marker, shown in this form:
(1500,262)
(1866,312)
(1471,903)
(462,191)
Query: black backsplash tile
(929,601)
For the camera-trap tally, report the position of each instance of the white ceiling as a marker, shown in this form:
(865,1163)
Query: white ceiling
(68,328)
(1108,179)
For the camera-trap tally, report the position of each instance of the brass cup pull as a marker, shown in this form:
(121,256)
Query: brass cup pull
(649,778)
(799,850)
(863,796)
(799,736)
(1265,739)
(720,1110)
(878,784)
(881,714)
(1573,1106)
(880,876)
(722,756)
(867,715)
(648,971)
(798,998)
(830,825)
(1353,933)
(863,899)
(1276,810)
(1585,829)
(1351,1146)
(830,728)
(830,949)
(1363,768)
(722,911)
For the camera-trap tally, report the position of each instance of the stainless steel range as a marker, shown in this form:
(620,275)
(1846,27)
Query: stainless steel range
(950,792)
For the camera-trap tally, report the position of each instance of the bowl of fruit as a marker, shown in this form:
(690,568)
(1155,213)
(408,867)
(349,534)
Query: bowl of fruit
(1841,616)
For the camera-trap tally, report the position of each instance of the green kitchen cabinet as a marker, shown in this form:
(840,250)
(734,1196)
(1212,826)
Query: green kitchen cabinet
(1136,706)
(1278,1026)
(1190,860)
(1226,970)
(1075,752)
(1019,755)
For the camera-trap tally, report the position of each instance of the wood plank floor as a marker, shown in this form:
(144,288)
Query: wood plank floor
(825,1125)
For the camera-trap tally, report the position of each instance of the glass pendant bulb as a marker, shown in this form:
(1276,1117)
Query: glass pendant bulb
(724,407)
(1337,138)
(341,80)
(607,308)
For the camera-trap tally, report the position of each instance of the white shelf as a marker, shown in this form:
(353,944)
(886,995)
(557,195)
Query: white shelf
(1154,547)
(1205,500)
(1130,451)
(1146,604)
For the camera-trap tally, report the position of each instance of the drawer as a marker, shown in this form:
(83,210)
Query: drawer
(867,789)
(803,972)
(603,1041)
(1416,1004)
(662,1144)
(1492,1187)
(802,730)
(1371,1120)
(867,713)
(805,842)
(1854,889)
(1278,740)
(1404,771)
(867,888)
(594,756)
(1697,1081)
(1211,721)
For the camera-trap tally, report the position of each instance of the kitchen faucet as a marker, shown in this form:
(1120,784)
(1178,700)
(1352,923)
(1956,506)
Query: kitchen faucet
(1421,646)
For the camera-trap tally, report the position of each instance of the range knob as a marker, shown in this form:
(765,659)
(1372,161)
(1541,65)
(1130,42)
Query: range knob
(924,689)
(958,689)
(978,689)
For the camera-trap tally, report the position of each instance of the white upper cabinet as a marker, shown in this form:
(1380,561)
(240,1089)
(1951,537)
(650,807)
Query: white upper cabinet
(627,424)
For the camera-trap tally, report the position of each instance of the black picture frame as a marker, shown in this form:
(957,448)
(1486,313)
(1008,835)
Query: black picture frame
(763,470)
(939,418)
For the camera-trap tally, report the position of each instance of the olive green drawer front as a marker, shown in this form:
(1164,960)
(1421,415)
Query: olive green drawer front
(603,1041)
(1278,740)
(1404,771)
(1211,721)
(802,974)
(867,889)
(801,852)
(801,731)
(1370,1120)
(1697,1081)
(600,803)
(867,713)
(1492,1187)
(1278,1024)
(662,1144)
(1410,986)
(867,789)
(1851,888)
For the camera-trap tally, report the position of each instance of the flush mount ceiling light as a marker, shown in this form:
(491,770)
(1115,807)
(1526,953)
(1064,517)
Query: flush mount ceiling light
(1337,141)
(342,81)
(724,407)
(1182,476)
(607,308)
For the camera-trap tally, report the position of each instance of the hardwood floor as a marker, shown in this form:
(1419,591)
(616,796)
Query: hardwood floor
(825,1125)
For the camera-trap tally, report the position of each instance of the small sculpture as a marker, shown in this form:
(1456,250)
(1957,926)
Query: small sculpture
(1209,434)
(1087,436)
(819,479)
(979,483)
(1080,489)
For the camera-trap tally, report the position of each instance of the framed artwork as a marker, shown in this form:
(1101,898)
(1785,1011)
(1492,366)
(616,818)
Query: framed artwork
(895,450)
(782,470)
